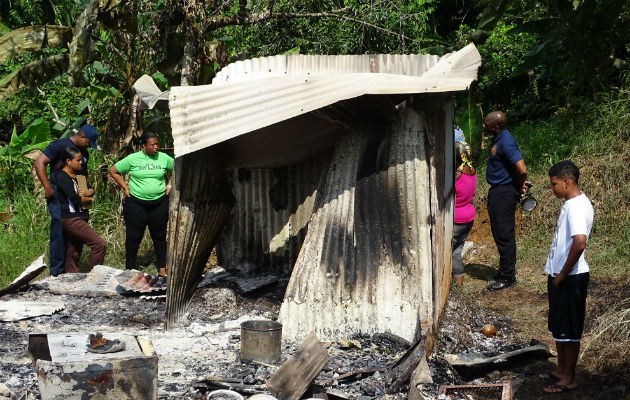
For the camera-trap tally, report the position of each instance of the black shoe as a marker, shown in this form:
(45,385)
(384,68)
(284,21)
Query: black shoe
(494,277)
(501,284)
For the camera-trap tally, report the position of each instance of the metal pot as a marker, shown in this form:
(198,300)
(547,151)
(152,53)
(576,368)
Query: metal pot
(261,341)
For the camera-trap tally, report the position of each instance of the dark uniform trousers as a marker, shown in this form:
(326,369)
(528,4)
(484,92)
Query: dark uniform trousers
(502,201)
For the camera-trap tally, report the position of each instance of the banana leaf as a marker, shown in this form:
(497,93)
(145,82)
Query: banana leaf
(33,74)
(33,38)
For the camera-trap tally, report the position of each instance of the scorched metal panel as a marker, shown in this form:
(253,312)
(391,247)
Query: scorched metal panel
(245,98)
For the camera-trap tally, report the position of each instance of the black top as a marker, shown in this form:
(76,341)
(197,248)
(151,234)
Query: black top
(68,196)
(53,152)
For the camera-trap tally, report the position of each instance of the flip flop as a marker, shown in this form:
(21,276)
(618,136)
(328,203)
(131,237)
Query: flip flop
(547,377)
(558,389)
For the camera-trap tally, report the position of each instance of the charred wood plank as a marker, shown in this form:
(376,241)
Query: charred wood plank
(404,367)
(296,374)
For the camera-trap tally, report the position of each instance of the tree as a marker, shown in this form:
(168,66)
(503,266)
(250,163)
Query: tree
(117,41)
(573,49)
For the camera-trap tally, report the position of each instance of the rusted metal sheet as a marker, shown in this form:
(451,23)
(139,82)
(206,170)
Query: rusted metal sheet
(244,100)
(376,254)
(199,206)
(144,283)
(66,370)
(365,265)
(438,119)
(273,207)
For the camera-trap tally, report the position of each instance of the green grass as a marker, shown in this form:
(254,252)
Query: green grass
(24,238)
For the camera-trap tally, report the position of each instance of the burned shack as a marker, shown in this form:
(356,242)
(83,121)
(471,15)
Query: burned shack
(336,169)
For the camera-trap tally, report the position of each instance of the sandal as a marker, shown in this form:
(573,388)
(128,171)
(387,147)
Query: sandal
(557,389)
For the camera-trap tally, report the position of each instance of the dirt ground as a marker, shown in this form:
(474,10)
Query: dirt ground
(525,305)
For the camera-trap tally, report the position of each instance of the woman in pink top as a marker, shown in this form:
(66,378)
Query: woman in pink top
(465,182)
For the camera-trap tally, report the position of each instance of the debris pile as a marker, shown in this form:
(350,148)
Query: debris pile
(202,354)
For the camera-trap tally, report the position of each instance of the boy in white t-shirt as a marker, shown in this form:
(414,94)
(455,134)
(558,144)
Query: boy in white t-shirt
(568,274)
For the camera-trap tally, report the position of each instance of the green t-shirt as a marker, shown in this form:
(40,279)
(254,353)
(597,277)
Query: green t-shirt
(146,174)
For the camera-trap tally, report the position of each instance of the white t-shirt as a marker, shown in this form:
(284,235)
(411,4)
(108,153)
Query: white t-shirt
(576,218)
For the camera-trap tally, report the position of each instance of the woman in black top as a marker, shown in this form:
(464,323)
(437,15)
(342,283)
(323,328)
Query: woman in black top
(74,218)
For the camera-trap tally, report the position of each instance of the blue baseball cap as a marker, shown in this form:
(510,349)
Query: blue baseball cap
(91,133)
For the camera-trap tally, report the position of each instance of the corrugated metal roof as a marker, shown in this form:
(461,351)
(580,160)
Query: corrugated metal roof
(249,95)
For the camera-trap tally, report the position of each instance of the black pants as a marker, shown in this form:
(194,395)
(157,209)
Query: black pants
(502,201)
(138,215)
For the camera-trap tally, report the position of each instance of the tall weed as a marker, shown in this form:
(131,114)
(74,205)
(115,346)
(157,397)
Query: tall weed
(24,238)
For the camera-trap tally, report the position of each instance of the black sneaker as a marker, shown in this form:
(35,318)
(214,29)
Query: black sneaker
(501,284)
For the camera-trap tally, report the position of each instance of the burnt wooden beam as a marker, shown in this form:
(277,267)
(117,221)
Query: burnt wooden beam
(437,112)
(296,374)
(200,203)
(404,367)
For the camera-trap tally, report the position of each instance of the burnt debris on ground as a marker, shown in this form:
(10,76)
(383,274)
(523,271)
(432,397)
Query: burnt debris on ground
(202,353)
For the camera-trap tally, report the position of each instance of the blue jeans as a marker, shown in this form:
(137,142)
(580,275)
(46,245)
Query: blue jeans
(57,251)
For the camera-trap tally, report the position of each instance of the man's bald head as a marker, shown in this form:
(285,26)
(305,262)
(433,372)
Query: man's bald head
(495,121)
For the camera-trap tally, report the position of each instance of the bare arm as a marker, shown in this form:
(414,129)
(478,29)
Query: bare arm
(120,181)
(40,169)
(521,175)
(577,248)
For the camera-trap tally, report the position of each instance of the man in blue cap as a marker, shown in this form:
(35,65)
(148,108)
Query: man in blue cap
(86,136)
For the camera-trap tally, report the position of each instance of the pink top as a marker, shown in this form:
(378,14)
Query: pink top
(464,194)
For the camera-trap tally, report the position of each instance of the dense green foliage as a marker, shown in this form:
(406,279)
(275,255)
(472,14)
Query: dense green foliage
(557,67)
(392,26)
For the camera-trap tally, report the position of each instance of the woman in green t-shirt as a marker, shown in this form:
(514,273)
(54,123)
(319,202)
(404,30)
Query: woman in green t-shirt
(145,201)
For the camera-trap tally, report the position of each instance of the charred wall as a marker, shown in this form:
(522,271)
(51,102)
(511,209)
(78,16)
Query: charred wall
(366,262)
(267,225)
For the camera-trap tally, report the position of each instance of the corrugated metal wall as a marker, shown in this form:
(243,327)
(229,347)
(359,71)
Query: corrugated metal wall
(199,205)
(273,206)
(366,262)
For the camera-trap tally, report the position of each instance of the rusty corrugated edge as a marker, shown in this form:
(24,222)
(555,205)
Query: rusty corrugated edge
(242,102)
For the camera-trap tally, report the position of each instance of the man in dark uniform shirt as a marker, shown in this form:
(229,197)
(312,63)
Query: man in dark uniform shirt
(506,173)
(86,136)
